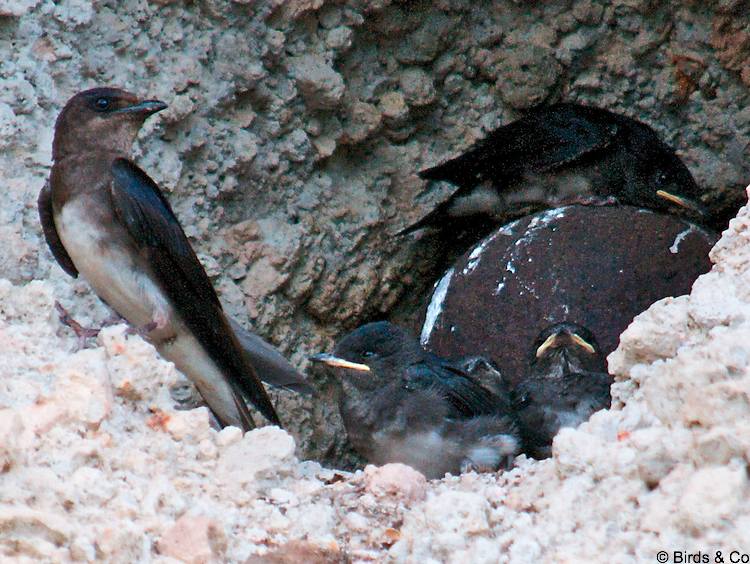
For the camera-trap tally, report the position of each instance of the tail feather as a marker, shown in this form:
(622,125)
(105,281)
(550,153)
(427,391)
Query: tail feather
(244,413)
(270,365)
(468,169)
(430,220)
(244,379)
(450,171)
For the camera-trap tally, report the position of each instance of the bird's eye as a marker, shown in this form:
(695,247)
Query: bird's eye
(662,178)
(102,103)
(368,354)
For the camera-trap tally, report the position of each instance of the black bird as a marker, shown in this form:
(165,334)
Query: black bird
(563,153)
(401,403)
(104,217)
(565,383)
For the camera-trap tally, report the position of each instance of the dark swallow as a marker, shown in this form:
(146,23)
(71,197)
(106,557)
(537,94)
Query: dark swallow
(401,403)
(565,383)
(563,153)
(104,217)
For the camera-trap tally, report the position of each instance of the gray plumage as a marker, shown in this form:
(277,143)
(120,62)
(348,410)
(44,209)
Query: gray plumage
(566,382)
(401,403)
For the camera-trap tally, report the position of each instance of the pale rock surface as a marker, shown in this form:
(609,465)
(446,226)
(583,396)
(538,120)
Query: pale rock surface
(395,480)
(309,120)
(273,129)
(193,539)
(96,464)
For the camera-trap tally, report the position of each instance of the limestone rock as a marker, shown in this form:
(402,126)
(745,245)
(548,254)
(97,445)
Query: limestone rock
(320,85)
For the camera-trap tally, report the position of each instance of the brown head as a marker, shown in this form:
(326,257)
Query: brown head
(101,119)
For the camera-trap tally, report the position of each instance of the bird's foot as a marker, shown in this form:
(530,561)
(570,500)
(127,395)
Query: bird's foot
(468,465)
(158,323)
(114,318)
(493,453)
(141,331)
(80,331)
(505,462)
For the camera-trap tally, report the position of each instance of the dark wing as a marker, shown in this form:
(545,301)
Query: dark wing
(544,139)
(146,214)
(570,392)
(151,222)
(466,397)
(44,205)
(245,416)
(486,374)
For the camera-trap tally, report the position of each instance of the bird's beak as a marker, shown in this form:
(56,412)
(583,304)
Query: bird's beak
(147,107)
(337,362)
(583,343)
(549,342)
(575,338)
(682,202)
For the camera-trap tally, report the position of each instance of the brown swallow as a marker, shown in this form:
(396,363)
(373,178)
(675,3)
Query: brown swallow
(104,217)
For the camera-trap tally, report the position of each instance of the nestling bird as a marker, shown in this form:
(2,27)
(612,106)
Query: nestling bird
(563,153)
(566,382)
(401,403)
(104,217)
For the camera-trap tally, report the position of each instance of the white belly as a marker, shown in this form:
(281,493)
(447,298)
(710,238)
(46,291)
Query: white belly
(124,285)
(109,269)
(192,360)
(427,452)
(483,199)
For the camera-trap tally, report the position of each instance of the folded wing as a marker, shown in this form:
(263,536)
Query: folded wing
(146,214)
(44,205)
(544,139)
(465,395)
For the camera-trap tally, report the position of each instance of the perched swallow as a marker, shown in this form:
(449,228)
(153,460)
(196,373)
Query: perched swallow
(566,382)
(563,153)
(401,403)
(104,217)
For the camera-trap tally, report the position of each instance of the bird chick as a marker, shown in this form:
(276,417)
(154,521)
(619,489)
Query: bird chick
(565,383)
(401,403)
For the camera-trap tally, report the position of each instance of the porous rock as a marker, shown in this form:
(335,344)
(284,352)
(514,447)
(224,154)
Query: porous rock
(273,120)
(664,469)
(230,151)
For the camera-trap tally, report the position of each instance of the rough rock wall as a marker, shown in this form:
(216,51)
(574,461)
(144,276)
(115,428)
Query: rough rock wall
(96,465)
(295,129)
